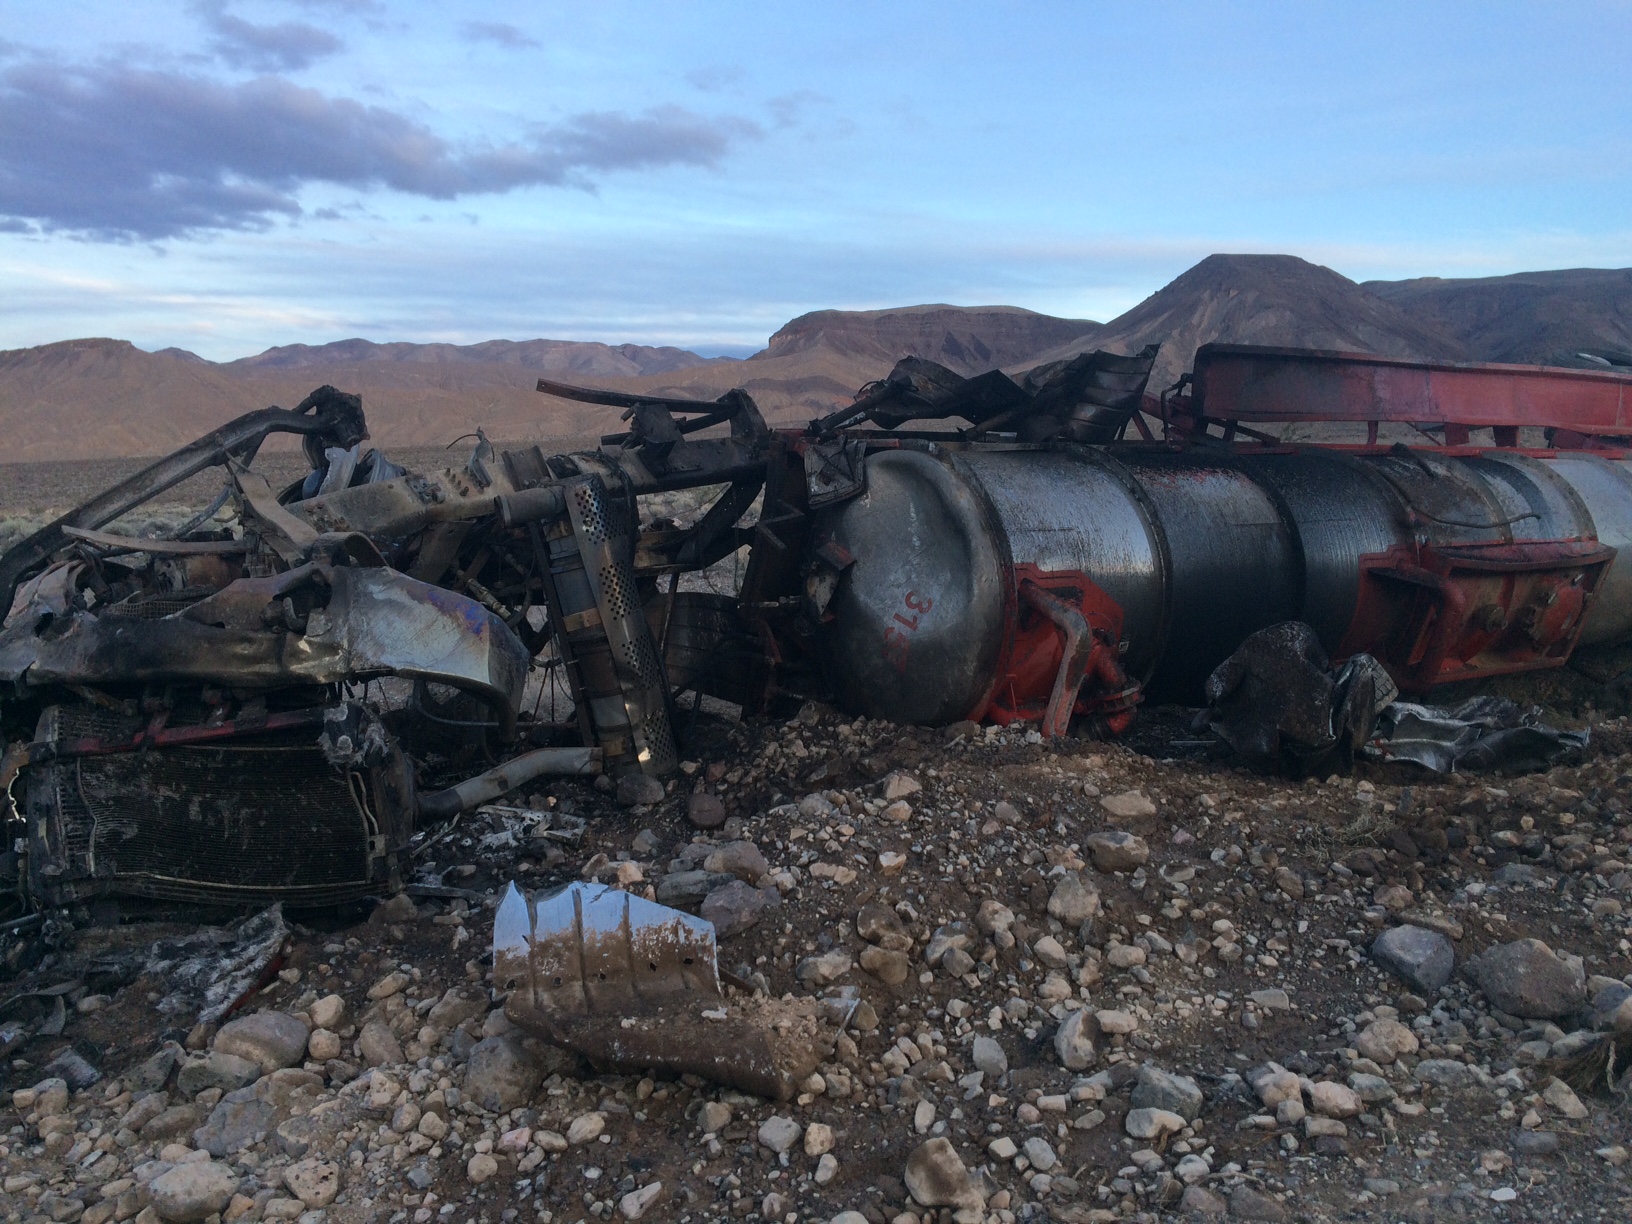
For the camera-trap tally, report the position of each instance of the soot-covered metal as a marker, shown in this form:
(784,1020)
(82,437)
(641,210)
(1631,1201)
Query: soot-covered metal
(237,709)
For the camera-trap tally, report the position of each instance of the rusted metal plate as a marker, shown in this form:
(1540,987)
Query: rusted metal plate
(1243,382)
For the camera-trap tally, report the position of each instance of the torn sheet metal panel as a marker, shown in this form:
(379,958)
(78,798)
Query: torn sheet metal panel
(632,985)
(207,973)
(1089,398)
(1278,702)
(317,624)
(1475,736)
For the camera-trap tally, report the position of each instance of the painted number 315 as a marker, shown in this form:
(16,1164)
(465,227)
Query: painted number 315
(898,633)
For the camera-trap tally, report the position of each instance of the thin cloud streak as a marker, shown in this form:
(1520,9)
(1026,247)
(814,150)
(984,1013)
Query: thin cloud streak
(500,33)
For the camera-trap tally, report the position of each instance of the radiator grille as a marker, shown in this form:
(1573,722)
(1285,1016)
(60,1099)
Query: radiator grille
(255,818)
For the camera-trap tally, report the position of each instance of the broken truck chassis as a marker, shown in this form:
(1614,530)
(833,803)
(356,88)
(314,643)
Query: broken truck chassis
(1028,565)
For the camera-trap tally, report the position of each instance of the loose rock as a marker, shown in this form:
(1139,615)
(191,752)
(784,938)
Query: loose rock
(739,858)
(1527,978)
(988,1057)
(234,1125)
(936,1177)
(779,1133)
(378,1045)
(586,1128)
(1114,850)
(502,1073)
(1128,805)
(269,1039)
(217,1069)
(737,906)
(192,1192)
(1334,1100)
(1074,1041)
(705,811)
(891,968)
(1152,1123)
(313,1182)
(1249,1204)
(1200,1201)
(329,1012)
(1422,959)
(634,1204)
(1383,1041)
(637,789)
(1158,1089)
(1073,902)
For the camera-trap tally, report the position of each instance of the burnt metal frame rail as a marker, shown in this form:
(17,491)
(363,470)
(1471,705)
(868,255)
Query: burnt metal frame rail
(333,417)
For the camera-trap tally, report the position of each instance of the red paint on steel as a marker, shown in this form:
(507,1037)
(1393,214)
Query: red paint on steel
(1051,667)
(1243,382)
(1433,615)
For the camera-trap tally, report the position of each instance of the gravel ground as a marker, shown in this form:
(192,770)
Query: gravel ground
(1096,985)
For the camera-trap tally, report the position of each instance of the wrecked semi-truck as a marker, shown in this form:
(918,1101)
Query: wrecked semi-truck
(1038,565)
(190,718)
(231,713)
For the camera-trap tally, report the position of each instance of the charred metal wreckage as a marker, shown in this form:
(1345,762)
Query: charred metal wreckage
(232,714)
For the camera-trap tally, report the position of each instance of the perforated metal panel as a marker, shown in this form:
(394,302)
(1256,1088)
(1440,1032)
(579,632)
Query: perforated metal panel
(606,549)
(591,519)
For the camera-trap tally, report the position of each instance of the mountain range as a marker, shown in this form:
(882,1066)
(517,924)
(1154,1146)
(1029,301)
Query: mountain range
(99,398)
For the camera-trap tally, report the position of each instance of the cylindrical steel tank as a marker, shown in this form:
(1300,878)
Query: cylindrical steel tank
(1489,560)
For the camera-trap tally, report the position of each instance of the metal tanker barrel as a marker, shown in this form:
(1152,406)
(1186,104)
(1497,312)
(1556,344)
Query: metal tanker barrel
(1444,566)
(1196,556)
(1605,489)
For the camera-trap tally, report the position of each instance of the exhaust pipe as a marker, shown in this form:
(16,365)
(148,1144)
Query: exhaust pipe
(501,779)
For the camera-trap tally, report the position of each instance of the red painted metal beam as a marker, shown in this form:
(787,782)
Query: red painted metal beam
(1240,382)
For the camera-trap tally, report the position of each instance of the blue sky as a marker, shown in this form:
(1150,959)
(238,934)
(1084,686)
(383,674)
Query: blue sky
(225,175)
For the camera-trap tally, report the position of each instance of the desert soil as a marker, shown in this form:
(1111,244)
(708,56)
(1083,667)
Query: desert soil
(960,885)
